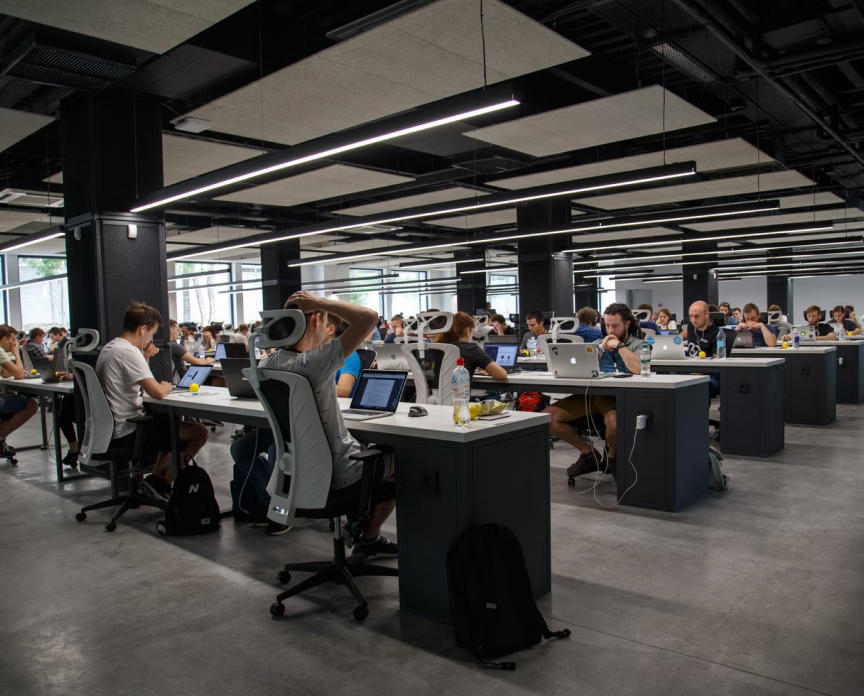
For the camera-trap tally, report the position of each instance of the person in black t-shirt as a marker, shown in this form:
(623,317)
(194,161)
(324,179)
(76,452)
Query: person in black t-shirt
(839,316)
(179,355)
(474,356)
(499,326)
(823,331)
(700,331)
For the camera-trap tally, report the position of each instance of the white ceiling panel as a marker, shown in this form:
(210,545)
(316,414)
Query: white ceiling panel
(470,222)
(152,25)
(16,125)
(453,193)
(327,182)
(628,235)
(724,154)
(712,188)
(10,219)
(611,119)
(185,158)
(429,54)
(788,219)
(214,235)
(808,200)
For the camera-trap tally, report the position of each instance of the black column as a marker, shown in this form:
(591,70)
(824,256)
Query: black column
(112,154)
(779,287)
(699,280)
(275,260)
(586,293)
(471,290)
(545,274)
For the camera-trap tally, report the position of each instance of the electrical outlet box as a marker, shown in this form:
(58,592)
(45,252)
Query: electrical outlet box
(641,422)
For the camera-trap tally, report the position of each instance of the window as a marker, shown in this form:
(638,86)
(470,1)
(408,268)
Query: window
(202,305)
(253,301)
(410,302)
(366,298)
(43,304)
(506,303)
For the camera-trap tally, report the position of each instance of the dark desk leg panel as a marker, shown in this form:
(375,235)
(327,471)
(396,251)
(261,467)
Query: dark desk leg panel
(751,415)
(828,393)
(850,376)
(811,387)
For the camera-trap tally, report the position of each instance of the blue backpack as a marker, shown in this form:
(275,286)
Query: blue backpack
(249,496)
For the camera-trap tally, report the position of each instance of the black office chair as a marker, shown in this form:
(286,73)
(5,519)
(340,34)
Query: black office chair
(367,357)
(821,316)
(588,429)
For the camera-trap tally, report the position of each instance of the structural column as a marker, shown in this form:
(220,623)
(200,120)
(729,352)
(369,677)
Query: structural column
(587,294)
(699,280)
(779,287)
(545,272)
(275,266)
(471,290)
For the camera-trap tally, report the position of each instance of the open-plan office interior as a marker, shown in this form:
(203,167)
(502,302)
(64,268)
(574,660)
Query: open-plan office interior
(347,346)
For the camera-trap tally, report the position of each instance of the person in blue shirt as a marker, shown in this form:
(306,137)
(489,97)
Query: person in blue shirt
(727,310)
(650,324)
(587,318)
(764,335)
(397,328)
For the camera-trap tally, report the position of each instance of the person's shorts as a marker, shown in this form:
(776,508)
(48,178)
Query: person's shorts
(156,436)
(12,403)
(574,406)
(383,487)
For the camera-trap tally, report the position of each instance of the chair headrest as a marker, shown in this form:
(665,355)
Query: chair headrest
(642,314)
(482,319)
(281,328)
(21,336)
(85,341)
(774,317)
(436,322)
(564,325)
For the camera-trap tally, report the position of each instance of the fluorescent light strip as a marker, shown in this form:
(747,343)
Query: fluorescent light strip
(36,281)
(339,281)
(329,153)
(491,269)
(497,239)
(668,280)
(782,269)
(186,288)
(15,247)
(447,262)
(390,286)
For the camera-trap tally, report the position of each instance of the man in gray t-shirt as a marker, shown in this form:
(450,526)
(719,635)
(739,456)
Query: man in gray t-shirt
(318,360)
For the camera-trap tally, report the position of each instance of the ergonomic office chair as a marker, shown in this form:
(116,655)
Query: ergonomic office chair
(96,447)
(300,484)
(562,330)
(367,357)
(822,315)
(442,355)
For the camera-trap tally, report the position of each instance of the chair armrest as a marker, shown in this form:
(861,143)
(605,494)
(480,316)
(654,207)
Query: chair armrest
(140,419)
(138,443)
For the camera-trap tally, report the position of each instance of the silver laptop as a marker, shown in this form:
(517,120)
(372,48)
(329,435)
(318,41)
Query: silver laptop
(196,374)
(575,360)
(667,348)
(806,333)
(743,339)
(376,395)
(390,357)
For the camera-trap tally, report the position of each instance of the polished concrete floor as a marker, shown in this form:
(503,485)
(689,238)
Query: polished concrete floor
(756,591)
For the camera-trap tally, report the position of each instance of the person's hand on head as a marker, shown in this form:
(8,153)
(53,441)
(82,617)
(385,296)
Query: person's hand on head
(150,350)
(306,302)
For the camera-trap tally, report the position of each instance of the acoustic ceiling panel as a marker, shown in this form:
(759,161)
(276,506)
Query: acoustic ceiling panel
(319,184)
(16,125)
(712,188)
(808,200)
(787,219)
(623,236)
(185,158)
(611,119)
(10,220)
(151,25)
(431,53)
(213,235)
(470,222)
(454,193)
(724,154)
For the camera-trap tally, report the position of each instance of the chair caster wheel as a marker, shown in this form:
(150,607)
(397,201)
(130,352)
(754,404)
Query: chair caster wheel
(571,481)
(13,462)
(277,609)
(110,527)
(360,613)
(284,577)
(717,435)
(212,428)
(81,516)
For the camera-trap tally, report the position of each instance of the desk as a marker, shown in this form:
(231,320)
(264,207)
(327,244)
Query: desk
(449,480)
(811,381)
(36,387)
(850,369)
(671,454)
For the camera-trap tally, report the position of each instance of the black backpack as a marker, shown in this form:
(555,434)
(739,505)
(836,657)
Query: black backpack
(492,606)
(192,508)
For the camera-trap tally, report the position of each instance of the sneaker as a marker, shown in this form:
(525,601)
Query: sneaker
(156,488)
(613,465)
(588,463)
(6,450)
(276,529)
(381,547)
(71,459)
(261,521)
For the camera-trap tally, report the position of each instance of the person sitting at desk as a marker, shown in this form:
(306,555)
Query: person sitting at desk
(242,335)
(500,327)
(700,336)
(665,320)
(208,340)
(624,339)
(474,356)
(649,324)
(781,325)
(824,332)
(349,373)
(587,317)
(179,355)
(20,408)
(34,346)
(736,314)
(318,361)
(727,310)
(124,372)
(536,327)
(764,335)
(397,329)
(57,338)
(850,310)
(838,314)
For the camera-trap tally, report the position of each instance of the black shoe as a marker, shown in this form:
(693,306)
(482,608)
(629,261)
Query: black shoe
(352,532)
(261,521)
(276,529)
(588,463)
(6,450)
(156,488)
(613,465)
(381,547)
(237,434)
(71,459)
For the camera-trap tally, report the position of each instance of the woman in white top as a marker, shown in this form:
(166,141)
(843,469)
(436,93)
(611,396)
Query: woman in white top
(665,321)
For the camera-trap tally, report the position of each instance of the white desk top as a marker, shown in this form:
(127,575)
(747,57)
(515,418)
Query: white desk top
(851,341)
(548,381)
(809,347)
(37,384)
(438,425)
(692,362)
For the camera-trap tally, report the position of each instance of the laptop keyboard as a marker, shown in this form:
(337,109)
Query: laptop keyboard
(359,412)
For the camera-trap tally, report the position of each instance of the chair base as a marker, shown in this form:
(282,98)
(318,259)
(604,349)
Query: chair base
(339,571)
(131,501)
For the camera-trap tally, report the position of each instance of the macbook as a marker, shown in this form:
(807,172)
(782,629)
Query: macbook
(743,339)
(575,360)
(196,374)
(234,350)
(806,332)
(667,348)
(220,352)
(390,357)
(504,354)
(238,384)
(377,394)
(45,369)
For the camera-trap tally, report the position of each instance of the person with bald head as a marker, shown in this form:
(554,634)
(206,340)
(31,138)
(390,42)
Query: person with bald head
(700,335)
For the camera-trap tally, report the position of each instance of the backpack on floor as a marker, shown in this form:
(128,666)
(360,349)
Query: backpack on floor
(249,497)
(532,402)
(717,480)
(192,508)
(492,605)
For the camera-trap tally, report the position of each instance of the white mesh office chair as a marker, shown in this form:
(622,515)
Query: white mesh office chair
(642,315)
(300,484)
(442,355)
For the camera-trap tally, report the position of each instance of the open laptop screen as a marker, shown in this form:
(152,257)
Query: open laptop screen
(196,374)
(503,354)
(220,352)
(379,391)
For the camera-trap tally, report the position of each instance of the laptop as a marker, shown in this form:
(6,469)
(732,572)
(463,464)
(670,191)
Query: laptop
(668,332)
(390,357)
(495,338)
(234,350)
(575,360)
(504,354)
(220,352)
(238,385)
(806,332)
(192,346)
(376,395)
(45,369)
(196,374)
(743,339)
(667,348)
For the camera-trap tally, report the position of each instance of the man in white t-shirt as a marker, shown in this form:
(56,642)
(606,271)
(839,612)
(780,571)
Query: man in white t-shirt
(242,334)
(123,370)
(318,361)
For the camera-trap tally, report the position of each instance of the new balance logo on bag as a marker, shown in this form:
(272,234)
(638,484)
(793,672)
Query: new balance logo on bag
(192,508)
(194,488)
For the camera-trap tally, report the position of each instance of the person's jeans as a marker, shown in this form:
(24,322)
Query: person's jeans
(252,444)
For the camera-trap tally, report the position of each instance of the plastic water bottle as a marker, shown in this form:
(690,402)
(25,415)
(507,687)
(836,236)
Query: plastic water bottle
(532,345)
(460,383)
(645,359)
(796,341)
(841,333)
(721,345)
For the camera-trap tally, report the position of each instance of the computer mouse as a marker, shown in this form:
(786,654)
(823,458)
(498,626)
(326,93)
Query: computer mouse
(417,411)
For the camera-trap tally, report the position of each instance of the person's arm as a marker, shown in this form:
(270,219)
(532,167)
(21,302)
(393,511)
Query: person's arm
(495,371)
(192,360)
(830,336)
(854,317)
(154,389)
(632,361)
(14,369)
(854,331)
(361,319)
(345,385)
(768,335)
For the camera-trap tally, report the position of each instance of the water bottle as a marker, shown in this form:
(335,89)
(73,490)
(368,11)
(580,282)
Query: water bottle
(533,342)
(460,383)
(841,333)
(721,345)
(796,341)
(645,359)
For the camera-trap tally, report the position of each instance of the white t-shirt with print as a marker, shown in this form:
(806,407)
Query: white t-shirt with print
(120,367)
